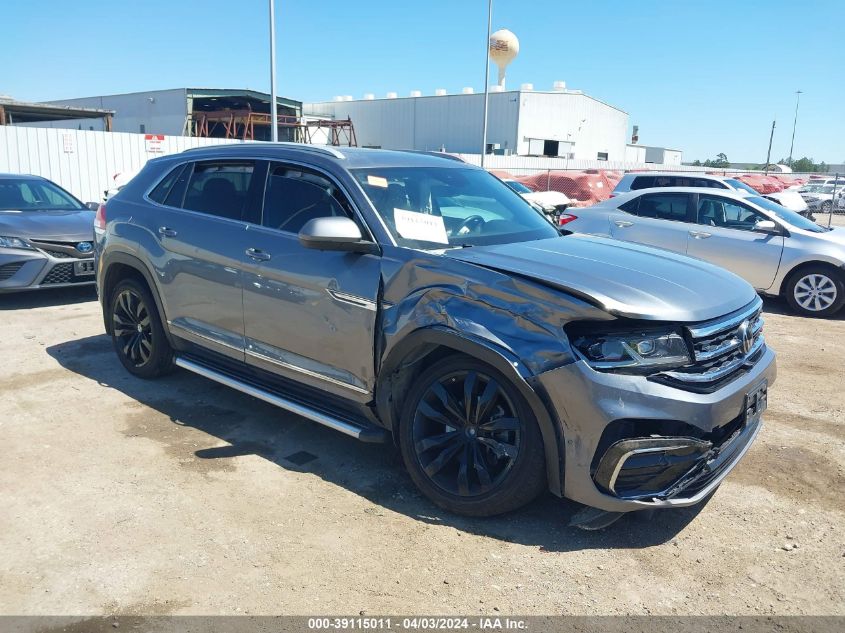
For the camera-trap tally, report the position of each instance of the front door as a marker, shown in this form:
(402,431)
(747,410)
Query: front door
(725,235)
(309,315)
(654,219)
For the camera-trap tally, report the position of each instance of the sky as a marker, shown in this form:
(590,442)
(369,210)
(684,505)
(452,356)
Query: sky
(703,77)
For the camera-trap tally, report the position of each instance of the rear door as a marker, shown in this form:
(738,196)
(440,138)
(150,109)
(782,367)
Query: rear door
(654,219)
(201,231)
(309,315)
(725,236)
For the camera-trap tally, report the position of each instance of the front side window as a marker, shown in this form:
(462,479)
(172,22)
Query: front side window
(787,215)
(664,206)
(29,194)
(441,207)
(741,186)
(219,188)
(295,196)
(725,213)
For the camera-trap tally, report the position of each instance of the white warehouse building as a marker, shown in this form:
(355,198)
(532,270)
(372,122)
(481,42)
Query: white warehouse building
(525,122)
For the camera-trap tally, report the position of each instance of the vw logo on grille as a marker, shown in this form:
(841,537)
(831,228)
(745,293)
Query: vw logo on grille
(85,247)
(746,336)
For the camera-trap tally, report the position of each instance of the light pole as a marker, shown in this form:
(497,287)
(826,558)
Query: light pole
(274,121)
(486,80)
(794,123)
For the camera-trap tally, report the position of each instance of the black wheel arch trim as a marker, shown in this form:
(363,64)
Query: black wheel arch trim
(120,257)
(419,343)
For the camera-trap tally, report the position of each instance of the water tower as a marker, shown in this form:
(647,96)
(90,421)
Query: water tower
(503,48)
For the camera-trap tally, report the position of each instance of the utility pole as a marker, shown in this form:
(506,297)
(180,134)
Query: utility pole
(769,154)
(274,120)
(486,80)
(794,123)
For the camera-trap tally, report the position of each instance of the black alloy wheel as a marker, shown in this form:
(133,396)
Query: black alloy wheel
(470,440)
(466,433)
(137,332)
(132,327)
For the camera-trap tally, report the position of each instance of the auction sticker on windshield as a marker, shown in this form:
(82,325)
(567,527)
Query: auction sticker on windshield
(420,226)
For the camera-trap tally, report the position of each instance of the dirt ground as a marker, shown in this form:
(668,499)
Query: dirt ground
(180,496)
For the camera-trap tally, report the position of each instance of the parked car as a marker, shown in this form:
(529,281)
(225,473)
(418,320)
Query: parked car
(46,236)
(551,202)
(393,294)
(819,197)
(635,181)
(776,250)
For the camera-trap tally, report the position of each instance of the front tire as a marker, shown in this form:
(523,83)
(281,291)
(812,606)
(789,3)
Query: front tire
(137,333)
(470,440)
(815,291)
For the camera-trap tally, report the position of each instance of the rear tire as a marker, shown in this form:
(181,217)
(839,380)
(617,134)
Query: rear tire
(470,440)
(815,291)
(137,333)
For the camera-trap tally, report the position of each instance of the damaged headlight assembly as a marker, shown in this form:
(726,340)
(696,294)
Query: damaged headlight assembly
(633,350)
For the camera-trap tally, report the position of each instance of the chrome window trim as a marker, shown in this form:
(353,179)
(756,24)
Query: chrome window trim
(306,372)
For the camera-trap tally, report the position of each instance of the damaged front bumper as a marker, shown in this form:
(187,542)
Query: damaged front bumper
(632,443)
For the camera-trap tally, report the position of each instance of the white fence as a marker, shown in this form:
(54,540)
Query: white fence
(83,161)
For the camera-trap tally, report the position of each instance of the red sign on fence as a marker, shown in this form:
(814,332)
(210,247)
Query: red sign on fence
(153,143)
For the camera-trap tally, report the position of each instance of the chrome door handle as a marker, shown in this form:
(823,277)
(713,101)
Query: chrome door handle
(623,223)
(166,232)
(257,254)
(700,235)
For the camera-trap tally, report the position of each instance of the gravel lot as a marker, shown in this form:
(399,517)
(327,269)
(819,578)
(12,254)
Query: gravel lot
(179,496)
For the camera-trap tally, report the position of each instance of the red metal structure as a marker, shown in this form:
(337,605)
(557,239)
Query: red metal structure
(241,124)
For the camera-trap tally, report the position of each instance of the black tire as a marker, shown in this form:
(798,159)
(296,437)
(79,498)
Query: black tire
(826,206)
(815,291)
(501,441)
(137,333)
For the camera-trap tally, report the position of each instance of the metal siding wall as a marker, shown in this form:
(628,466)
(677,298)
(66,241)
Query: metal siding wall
(427,123)
(166,115)
(88,170)
(557,116)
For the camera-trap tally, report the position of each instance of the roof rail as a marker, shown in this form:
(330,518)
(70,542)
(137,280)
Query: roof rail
(437,154)
(318,149)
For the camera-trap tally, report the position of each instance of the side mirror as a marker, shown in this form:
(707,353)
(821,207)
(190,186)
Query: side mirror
(335,234)
(767,226)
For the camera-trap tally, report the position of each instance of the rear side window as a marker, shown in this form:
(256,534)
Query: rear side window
(630,206)
(664,206)
(159,194)
(294,196)
(219,188)
(642,182)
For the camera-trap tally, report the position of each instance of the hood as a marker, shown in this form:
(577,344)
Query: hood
(58,226)
(625,279)
(835,236)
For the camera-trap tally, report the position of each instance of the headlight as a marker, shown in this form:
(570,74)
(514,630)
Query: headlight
(633,349)
(13,242)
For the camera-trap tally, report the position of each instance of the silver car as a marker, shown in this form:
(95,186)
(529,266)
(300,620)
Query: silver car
(46,236)
(776,250)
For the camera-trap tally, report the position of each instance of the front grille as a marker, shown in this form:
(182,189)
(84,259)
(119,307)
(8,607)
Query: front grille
(60,274)
(723,347)
(7,270)
(61,250)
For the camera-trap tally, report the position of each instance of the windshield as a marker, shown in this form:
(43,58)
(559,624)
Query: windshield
(790,217)
(738,184)
(439,207)
(517,186)
(29,194)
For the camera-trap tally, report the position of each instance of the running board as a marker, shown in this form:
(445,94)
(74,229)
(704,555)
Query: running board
(362,432)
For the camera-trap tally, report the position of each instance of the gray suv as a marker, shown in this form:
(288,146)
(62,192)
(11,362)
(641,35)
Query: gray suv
(404,296)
